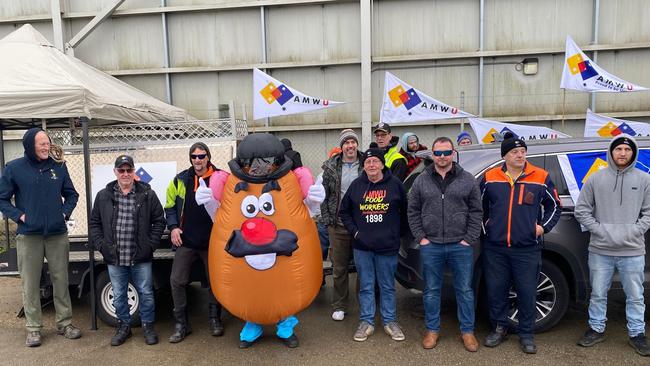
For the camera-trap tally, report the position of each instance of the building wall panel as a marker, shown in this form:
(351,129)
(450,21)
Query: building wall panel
(624,21)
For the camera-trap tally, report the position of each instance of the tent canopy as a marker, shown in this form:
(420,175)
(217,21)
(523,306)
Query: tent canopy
(38,81)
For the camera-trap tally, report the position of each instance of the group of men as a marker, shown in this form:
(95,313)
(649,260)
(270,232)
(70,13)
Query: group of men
(366,211)
(449,213)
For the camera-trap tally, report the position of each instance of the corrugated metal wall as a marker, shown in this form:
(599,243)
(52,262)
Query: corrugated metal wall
(315,46)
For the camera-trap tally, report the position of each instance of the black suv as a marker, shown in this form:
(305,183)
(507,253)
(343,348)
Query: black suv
(564,277)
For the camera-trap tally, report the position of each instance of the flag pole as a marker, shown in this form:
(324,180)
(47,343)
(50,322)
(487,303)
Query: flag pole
(563,105)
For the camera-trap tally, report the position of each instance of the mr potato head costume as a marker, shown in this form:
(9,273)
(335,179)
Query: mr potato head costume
(264,258)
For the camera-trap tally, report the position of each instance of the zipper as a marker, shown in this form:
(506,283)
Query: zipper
(512,194)
(443,217)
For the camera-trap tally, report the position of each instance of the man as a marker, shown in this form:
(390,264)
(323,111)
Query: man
(395,161)
(412,150)
(291,153)
(190,225)
(514,194)
(37,183)
(339,172)
(444,212)
(464,139)
(126,224)
(614,205)
(373,211)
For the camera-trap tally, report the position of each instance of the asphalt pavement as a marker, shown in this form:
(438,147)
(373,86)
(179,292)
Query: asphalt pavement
(322,340)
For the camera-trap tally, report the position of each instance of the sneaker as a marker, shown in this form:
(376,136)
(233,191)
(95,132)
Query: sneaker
(338,315)
(394,331)
(69,331)
(528,346)
(33,338)
(640,344)
(498,335)
(364,330)
(591,337)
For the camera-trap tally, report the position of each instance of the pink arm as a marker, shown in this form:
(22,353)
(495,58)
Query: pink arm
(217,182)
(305,179)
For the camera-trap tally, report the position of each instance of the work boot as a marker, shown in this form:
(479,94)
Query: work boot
(640,344)
(181,328)
(150,336)
(216,326)
(69,331)
(591,337)
(33,338)
(528,345)
(291,342)
(469,342)
(430,339)
(122,333)
(498,335)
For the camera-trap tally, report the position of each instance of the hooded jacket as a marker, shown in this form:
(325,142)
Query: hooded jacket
(394,160)
(37,186)
(449,215)
(412,161)
(375,213)
(332,175)
(149,223)
(614,205)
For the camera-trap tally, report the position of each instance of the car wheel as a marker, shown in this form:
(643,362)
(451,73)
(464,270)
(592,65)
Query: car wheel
(105,308)
(552,298)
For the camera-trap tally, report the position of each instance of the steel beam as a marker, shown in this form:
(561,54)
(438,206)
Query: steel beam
(594,41)
(94,23)
(57,25)
(366,71)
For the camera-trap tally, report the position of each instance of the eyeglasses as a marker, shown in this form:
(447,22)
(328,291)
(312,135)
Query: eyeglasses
(123,170)
(443,152)
(198,156)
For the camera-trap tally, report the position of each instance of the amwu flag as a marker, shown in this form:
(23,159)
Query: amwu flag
(597,125)
(403,103)
(272,97)
(581,73)
(484,128)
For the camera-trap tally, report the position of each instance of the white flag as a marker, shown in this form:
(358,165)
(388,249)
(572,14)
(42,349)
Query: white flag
(403,103)
(581,73)
(484,128)
(597,125)
(274,98)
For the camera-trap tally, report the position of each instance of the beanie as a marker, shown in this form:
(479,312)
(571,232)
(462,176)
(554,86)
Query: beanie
(347,134)
(623,140)
(376,152)
(463,135)
(510,141)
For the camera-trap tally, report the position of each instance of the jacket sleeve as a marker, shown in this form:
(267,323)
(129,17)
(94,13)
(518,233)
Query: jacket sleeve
(7,191)
(475,214)
(69,194)
(584,209)
(156,219)
(415,211)
(398,169)
(95,228)
(346,214)
(325,214)
(170,206)
(552,206)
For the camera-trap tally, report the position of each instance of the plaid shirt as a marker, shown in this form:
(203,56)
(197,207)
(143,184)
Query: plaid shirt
(125,225)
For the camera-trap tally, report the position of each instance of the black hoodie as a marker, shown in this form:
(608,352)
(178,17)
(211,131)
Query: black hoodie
(375,213)
(38,186)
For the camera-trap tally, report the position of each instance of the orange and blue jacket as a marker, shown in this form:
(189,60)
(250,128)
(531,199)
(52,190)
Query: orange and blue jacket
(513,207)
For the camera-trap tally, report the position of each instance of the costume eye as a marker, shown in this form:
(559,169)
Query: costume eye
(266,204)
(250,206)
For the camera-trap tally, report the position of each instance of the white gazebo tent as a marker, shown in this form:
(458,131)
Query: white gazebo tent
(40,83)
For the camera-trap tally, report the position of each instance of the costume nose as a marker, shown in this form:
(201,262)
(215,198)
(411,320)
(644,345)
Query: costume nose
(259,231)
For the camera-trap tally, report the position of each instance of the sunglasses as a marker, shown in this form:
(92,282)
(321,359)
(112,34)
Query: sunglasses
(443,152)
(124,170)
(198,156)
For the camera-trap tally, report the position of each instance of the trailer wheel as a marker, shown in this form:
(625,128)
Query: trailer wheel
(105,308)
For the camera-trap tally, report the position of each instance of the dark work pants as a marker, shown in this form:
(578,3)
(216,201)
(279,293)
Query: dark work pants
(180,277)
(504,267)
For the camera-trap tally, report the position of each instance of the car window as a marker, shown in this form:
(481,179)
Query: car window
(555,173)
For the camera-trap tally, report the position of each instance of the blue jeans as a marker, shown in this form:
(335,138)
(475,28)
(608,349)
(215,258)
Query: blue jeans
(460,259)
(141,276)
(630,269)
(324,238)
(371,268)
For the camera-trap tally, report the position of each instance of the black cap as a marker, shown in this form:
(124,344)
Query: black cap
(382,126)
(124,159)
(376,152)
(510,141)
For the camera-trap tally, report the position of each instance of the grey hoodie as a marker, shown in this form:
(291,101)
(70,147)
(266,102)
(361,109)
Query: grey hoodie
(614,205)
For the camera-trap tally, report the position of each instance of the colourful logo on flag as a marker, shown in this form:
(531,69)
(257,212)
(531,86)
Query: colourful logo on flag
(611,129)
(271,94)
(488,138)
(596,166)
(578,65)
(408,98)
